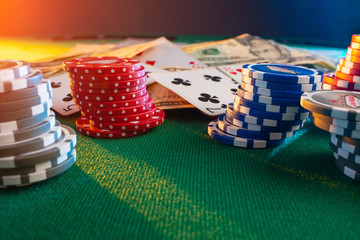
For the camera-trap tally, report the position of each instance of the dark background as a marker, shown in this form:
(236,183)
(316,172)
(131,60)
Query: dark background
(328,23)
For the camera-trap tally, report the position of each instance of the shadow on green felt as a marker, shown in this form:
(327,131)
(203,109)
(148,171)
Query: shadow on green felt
(311,157)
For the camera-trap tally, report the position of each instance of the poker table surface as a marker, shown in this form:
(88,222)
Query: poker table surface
(176,182)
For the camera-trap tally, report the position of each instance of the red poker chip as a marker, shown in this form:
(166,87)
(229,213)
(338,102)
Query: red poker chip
(119,111)
(348,64)
(353,52)
(101,91)
(109,97)
(340,83)
(349,77)
(121,119)
(346,70)
(327,86)
(116,84)
(355,38)
(111,77)
(154,121)
(332,80)
(101,65)
(352,58)
(83,126)
(112,105)
(355,45)
(328,76)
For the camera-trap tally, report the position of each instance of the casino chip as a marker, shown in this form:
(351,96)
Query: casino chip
(282,73)
(29,132)
(338,112)
(102,65)
(347,75)
(13,69)
(266,108)
(112,97)
(336,104)
(147,123)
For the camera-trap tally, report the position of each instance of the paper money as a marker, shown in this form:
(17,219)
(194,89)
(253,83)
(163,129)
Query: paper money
(53,65)
(164,98)
(246,48)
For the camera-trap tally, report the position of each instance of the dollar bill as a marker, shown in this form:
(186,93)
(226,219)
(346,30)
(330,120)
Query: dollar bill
(53,65)
(246,48)
(164,98)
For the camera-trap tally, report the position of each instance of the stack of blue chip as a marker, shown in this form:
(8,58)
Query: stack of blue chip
(266,108)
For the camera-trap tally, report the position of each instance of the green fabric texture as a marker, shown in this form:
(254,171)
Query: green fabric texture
(176,182)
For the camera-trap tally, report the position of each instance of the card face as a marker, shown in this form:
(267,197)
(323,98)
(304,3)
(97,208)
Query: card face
(167,54)
(209,90)
(233,71)
(62,99)
(151,69)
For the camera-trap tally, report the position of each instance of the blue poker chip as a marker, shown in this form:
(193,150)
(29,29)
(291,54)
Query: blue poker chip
(245,133)
(282,86)
(270,115)
(268,107)
(282,73)
(268,100)
(258,120)
(226,138)
(271,92)
(254,127)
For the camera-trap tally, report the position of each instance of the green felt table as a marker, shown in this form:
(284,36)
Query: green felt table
(176,182)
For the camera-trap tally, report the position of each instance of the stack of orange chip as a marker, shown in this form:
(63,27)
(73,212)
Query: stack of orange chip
(347,75)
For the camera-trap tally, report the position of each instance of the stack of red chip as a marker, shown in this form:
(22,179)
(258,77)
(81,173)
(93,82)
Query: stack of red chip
(111,94)
(347,75)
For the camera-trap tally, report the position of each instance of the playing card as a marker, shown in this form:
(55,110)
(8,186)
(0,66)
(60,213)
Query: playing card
(209,89)
(233,71)
(167,54)
(151,69)
(62,99)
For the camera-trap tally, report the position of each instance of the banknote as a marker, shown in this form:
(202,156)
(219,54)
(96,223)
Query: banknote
(247,48)
(53,65)
(164,98)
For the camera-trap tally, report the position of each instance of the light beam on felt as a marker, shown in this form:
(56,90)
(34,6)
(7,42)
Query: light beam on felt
(125,177)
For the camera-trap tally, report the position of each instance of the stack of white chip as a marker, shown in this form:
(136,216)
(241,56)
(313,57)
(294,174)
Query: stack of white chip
(33,145)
